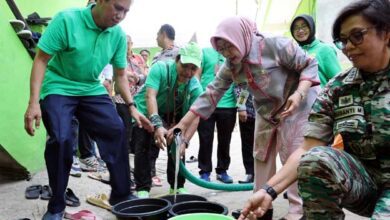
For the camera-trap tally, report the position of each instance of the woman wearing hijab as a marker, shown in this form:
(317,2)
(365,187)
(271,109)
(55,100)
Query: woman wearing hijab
(303,30)
(283,80)
(355,105)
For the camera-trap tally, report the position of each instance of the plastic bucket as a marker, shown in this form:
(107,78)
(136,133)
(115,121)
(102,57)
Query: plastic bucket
(205,216)
(142,209)
(197,207)
(183,198)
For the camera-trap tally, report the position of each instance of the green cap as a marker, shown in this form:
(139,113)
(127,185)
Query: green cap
(191,53)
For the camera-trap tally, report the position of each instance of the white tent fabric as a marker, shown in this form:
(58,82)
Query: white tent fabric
(201,16)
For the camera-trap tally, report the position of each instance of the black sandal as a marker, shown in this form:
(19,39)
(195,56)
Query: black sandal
(71,199)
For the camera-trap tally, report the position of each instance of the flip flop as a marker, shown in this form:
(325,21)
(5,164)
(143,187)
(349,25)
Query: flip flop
(99,200)
(80,215)
(33,192)
(71,199)
(24,34)
(46,192)
(17,25)
(103,177)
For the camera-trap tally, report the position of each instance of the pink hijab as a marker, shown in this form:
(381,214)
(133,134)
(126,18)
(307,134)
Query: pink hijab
(238,31)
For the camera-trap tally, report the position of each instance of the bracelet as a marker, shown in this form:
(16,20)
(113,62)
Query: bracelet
(271,191)
(303,96)
(156,121)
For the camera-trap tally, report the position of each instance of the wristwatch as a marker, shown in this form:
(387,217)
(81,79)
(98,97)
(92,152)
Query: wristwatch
(271,191)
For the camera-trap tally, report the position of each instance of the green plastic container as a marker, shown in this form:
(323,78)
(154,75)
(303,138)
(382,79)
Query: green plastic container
(202,216)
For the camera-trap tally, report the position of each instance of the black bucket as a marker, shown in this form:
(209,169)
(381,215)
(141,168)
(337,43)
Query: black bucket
(197,207)
(183,198)
(142,209)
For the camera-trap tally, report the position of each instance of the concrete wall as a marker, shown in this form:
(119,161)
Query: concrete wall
(15,65)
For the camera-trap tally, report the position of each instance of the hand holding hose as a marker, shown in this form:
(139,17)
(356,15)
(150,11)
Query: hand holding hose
(183,125)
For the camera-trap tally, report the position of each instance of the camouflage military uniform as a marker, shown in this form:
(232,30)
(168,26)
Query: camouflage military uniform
(356,106)
(167,54)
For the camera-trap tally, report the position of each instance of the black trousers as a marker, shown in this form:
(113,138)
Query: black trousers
(247,131)
(143,141)
(225,119)
(153,155)
(99,117)
(124,113)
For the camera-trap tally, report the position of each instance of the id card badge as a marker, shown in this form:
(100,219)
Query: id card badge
(244,94)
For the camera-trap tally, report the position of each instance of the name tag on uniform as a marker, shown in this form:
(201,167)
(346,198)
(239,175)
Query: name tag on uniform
(348,111)
(244,94)
(347,124)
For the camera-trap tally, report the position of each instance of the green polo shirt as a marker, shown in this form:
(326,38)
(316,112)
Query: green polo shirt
(80,50)
(158,80)
(211,62)
(328,63)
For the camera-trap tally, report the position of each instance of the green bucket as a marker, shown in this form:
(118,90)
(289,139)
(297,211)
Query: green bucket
(205,216)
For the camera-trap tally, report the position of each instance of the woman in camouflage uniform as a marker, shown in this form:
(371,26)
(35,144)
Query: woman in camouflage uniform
(353,107)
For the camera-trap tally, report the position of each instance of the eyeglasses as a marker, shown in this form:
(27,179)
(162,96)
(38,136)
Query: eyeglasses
(356,38)
(226,47)
(303,28)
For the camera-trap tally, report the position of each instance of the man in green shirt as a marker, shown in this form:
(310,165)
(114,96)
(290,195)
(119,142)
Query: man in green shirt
(224,118)
(64,83)
(169,91)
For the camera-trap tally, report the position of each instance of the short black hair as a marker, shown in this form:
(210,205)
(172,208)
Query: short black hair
(146,50)
(169,30)
(376,12)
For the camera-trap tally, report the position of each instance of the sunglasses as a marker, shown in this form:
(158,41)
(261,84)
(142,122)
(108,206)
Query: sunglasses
(356,38)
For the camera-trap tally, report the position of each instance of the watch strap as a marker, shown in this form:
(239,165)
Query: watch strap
(271,191)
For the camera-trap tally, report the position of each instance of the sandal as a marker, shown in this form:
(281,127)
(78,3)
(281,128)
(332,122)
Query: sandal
(33,192)
(46,192)
(71,199)
(104,177)
(80,215)
(99,200)
(156,181)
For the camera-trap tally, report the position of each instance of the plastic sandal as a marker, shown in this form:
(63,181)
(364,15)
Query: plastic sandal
(80,215)
(24,34)
(71,198)
(33,192)
(46,192)
(103,177)
(17,25)
(99,200)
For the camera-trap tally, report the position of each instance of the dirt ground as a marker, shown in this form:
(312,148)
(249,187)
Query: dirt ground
(14,205)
